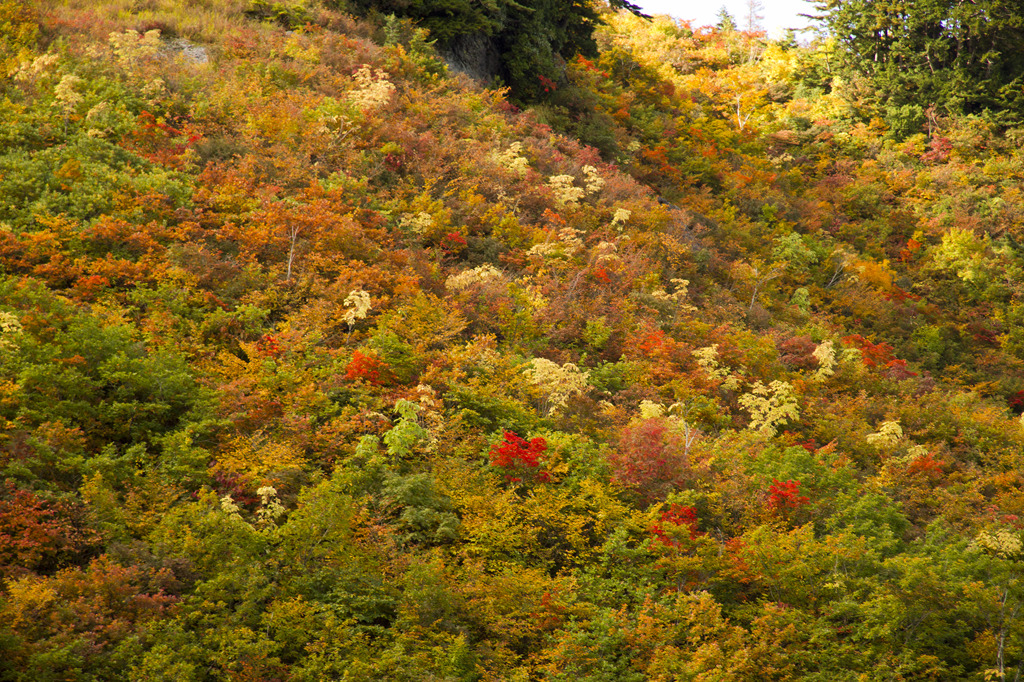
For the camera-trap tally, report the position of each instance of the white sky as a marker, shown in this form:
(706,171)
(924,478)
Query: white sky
(778,14)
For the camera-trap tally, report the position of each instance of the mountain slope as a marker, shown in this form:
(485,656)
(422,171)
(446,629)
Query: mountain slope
(319,362)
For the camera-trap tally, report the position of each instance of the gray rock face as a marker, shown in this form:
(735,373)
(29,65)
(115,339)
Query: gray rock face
(474,55)
(187,49)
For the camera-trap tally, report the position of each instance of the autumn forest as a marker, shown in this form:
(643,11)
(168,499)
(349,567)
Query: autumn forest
(451,341)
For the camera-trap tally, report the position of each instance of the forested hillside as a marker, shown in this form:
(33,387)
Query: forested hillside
(669,353)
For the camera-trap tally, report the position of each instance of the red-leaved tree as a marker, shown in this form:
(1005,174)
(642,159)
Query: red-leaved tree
(784,495)
(651,458)
(519,458)
(667,529)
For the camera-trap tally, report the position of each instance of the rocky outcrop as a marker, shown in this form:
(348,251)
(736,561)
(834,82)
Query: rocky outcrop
(187,50)
(475,55)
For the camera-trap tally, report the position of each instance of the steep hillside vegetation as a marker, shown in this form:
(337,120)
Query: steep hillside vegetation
(320,361)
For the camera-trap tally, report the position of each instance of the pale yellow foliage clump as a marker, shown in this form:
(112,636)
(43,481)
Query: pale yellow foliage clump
(481,352)
(482,274)
(621,216)
(1001,543)
(889,433)
(228,506)
(372,91)
(825,354)
(651,410)
(270,509)
(707,359)
(682,290)
(96,119)
(594,182)
(915,451)
(606,252)
(512,160)
(533,297)
(770,406)
(359,301)
(10,326)
(427,397)
(98,111)
(559,383)
(418,222)
(37,68)
(9,323)
(570,238)
(65,97)
(568,243)
(130,47)
(544,249)
(566,192)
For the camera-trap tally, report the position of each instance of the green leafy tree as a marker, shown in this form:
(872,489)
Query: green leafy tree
(961,56)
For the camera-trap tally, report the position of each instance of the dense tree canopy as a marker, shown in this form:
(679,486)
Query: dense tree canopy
(959,56)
